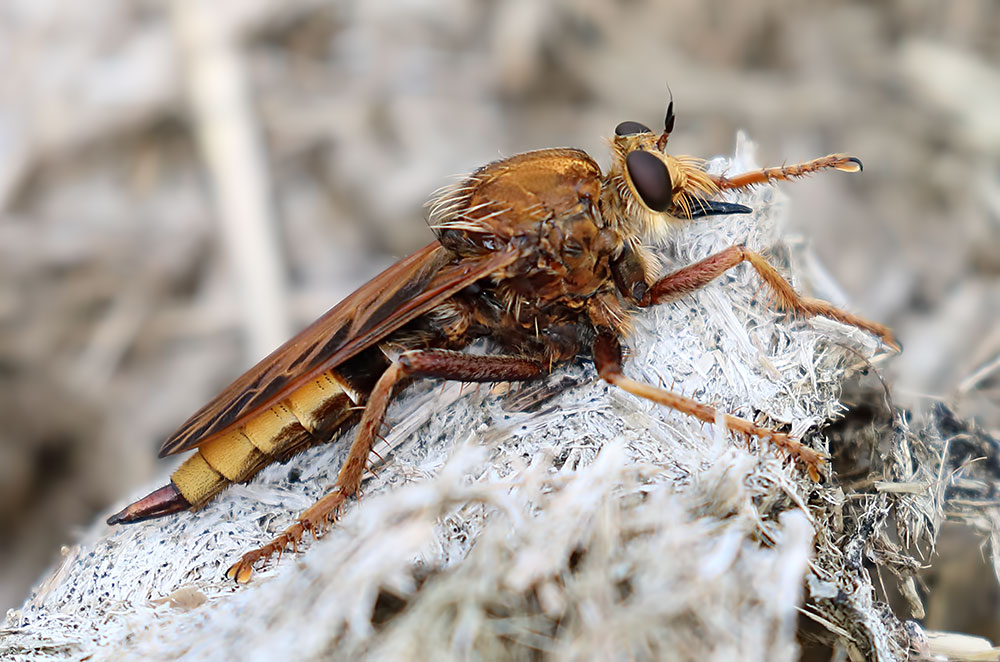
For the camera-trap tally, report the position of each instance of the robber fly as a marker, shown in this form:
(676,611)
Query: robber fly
(540,253)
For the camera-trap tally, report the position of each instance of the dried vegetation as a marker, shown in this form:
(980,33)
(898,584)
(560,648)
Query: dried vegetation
(124,305)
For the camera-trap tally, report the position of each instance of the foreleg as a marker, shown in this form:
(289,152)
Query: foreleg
(699,274)
(840,162)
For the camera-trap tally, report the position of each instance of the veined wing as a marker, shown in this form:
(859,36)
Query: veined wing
(404,291)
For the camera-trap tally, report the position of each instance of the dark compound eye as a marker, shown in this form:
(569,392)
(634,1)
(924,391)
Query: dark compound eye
(631,128)
(650,178)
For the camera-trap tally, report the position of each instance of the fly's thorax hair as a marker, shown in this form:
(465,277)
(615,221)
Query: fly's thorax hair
(652,263)
(460,225)
(609,311)
(452,319)
(452,324)
(509,201)
(648,216)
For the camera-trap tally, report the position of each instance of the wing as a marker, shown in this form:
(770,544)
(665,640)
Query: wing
(404,291)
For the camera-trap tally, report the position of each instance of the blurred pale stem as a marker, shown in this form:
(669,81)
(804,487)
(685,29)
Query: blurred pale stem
(230,141)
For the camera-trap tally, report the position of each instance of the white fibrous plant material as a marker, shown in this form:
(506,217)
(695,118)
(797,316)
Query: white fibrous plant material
(587,524)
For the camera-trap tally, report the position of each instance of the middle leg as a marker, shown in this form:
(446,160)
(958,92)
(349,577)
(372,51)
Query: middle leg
(607,354)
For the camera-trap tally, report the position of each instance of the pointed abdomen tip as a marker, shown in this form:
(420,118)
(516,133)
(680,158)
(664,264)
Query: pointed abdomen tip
(164,501)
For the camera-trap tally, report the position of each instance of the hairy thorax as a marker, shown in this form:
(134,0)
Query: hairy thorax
(544,205)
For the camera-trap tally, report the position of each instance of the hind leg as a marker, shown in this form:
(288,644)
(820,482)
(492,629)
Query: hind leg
(443,364)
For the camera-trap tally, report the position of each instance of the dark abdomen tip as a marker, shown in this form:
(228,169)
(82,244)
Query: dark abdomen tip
(164,501)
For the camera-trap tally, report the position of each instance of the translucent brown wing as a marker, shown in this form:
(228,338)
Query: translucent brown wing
(404,291)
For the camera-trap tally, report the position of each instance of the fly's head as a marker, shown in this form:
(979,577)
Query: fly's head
(647,190)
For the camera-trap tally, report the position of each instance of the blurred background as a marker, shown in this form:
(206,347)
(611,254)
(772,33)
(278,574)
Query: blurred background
(182,186)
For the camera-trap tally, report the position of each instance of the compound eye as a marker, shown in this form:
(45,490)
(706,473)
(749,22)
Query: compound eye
(631,128)
(650,179)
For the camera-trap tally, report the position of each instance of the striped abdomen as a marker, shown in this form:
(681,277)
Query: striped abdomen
(312,414)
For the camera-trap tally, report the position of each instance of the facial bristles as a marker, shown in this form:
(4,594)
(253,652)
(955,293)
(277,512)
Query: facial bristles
(691,183)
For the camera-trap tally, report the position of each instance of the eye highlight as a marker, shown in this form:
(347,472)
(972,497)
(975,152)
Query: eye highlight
(631,128)
(650,179)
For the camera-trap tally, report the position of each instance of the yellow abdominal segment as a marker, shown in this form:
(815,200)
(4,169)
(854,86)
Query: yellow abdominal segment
(309,415)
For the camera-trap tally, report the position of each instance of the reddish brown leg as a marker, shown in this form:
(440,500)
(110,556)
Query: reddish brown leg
(608,359)
(442,364)
(699,274)
(765,175)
